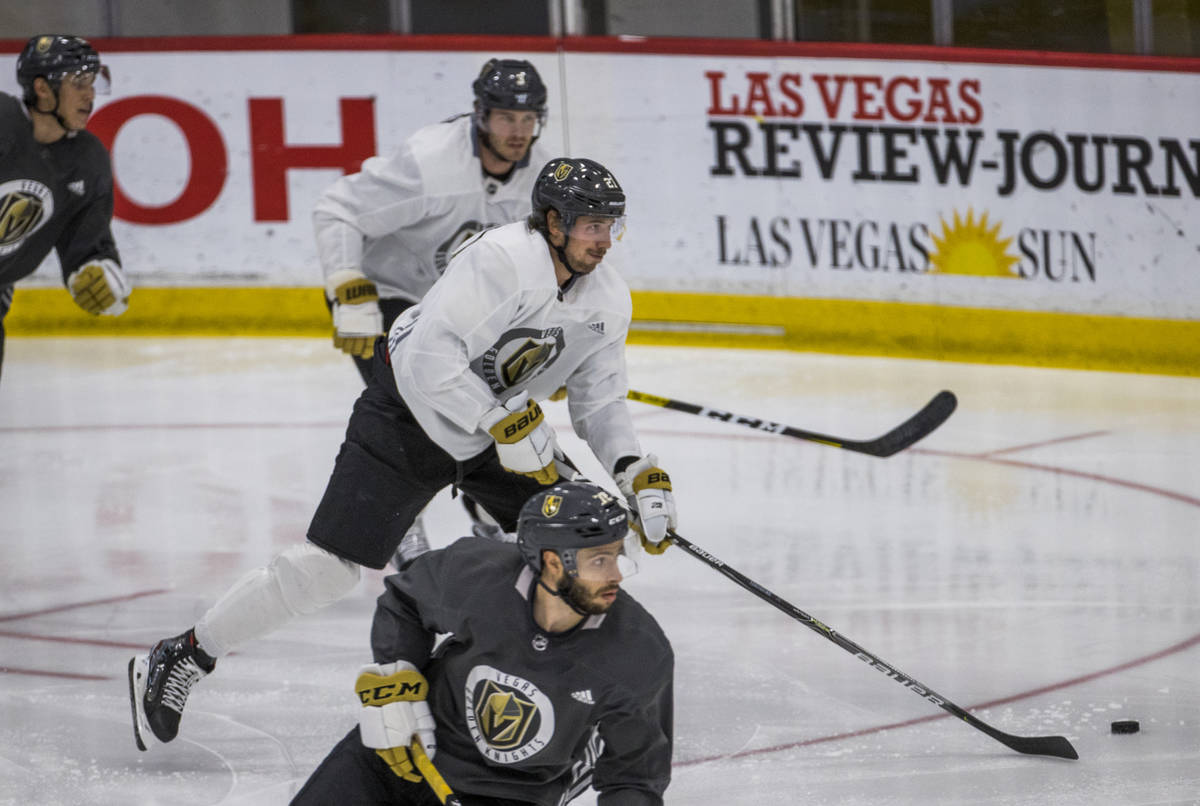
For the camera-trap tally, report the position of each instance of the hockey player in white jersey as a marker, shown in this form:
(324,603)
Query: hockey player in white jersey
(385,234)
(452,400)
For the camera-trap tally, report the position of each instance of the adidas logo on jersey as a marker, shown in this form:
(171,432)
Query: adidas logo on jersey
(584,696)
(76,187)
(597,326)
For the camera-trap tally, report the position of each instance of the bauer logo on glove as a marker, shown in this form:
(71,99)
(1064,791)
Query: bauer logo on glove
(524,442)
(647,488)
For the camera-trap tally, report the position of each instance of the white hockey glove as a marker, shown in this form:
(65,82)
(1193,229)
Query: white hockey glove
(357,319)
(647,488)
(524,442)
(100,287)
(394,711)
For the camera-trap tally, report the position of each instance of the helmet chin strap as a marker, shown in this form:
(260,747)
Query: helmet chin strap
(561,251)
(561,593)
(61,120)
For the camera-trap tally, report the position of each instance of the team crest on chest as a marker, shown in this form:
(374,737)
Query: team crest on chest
(509,718)
(25,205)
(517,356)
(449,247)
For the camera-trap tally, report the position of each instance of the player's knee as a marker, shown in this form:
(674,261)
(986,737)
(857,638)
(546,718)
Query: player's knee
(311,578)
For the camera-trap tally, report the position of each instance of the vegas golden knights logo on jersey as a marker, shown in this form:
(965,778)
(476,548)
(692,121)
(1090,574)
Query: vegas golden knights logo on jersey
(524,360)
(517,356)
(24,206)
(509,718)
(505,718)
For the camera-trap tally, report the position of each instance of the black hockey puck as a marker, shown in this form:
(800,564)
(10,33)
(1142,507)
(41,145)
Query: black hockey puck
(1126,726)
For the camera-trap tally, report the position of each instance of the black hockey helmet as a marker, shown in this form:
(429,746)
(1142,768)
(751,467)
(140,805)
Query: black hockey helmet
(574,187)
(56,56)
(569,516)
(509,84)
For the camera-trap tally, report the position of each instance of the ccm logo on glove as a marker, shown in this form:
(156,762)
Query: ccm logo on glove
(401,690)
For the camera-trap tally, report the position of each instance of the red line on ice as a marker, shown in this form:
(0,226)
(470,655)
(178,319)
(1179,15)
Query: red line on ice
(1185,644)
(48,673)
(1074,681)
(76,605)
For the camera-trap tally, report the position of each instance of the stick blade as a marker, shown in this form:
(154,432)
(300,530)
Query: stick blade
(917,427)
(1056,746)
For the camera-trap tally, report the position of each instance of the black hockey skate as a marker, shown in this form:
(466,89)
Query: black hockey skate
(159,684)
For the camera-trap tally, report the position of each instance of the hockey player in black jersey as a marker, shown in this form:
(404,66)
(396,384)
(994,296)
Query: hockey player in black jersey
(55,178)
(551,678)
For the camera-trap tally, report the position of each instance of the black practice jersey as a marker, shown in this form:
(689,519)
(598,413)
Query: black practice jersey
(55,196)
(522,713)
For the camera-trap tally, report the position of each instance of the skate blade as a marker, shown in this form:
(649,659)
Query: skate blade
(141,728)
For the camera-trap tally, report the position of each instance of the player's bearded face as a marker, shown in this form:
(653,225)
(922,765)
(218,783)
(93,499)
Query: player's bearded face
(593,588)
(591,238)
(510,132)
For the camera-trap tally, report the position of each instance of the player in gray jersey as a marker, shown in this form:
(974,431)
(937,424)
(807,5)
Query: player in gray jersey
(551,678)
(522,310)
(384,235)
(55,178)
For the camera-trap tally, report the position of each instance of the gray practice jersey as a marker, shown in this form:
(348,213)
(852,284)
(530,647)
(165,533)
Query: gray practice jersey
(522,713)
(401,217)
(57,195)
(495,325)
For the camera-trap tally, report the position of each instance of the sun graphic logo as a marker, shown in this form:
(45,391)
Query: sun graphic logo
(973,248)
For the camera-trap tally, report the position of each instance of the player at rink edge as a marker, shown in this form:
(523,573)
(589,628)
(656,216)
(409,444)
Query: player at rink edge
(385,234)
(56,185)
(554,678)
(521,311)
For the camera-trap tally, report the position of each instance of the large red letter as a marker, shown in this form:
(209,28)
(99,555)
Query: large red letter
(271,158)
(205,147)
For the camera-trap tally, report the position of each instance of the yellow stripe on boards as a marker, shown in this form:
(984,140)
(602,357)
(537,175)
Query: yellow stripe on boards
(847,327)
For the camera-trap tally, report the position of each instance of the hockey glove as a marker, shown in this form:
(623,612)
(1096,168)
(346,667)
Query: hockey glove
(357,319)
(100,287)
(394,711)
(647,488)
(524,442)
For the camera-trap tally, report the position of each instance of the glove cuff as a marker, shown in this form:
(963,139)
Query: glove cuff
(516,425)
(380,684)
(350,287)
(641,475)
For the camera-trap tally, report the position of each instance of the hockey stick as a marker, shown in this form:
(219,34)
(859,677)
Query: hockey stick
(915,428)
(432,777)
(1035,745)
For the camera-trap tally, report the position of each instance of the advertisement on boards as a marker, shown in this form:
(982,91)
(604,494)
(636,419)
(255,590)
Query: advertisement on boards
(979,185)
(1015,186)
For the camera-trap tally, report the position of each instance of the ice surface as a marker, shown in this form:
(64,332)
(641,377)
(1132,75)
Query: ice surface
(1035,560)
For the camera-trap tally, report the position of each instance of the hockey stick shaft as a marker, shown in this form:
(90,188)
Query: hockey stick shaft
(431,775)
(912,430)
(1035,745)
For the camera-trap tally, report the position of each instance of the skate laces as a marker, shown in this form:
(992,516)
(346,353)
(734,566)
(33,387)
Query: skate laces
(179,682)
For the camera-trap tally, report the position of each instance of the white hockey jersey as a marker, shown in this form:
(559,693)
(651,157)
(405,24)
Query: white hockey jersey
(494,325)
(401,217)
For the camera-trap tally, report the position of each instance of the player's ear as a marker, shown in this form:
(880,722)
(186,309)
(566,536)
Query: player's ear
(554,223)
(552,562)
(43,89)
